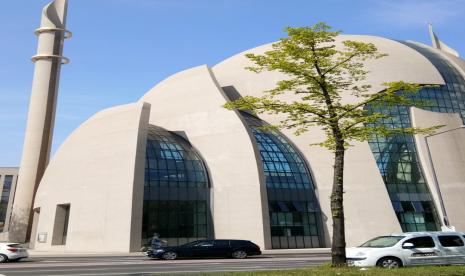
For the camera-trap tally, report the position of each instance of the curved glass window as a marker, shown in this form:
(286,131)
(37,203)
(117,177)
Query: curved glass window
(4,199)
(176,190)
(397,157)
(295,215)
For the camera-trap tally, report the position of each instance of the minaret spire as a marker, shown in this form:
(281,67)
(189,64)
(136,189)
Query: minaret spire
(438,44)
(41,115)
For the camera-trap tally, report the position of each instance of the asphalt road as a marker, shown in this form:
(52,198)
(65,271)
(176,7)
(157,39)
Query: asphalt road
(138,265)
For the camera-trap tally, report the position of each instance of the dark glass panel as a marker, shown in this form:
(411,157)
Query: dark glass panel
(176,190)
(4,198)
(294,214)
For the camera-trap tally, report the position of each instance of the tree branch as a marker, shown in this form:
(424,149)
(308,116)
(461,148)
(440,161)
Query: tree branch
(374,97)
(339,64)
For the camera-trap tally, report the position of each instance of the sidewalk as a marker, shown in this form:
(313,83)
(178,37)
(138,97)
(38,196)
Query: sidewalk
(297,251)
(61,254)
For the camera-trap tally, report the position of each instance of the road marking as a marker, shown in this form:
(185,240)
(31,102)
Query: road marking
(160,265)
(164,266)
(161,262)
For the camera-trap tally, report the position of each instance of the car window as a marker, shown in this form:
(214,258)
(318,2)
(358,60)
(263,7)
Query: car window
(205,243)
(222,243)
(421,242)
(190,244)
(249,243)
(450,241)
(238,243)
(15,245)
(383,241)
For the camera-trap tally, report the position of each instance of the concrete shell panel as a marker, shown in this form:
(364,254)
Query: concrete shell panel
(190,103)
(99,172)
(402,63)
(448,158)
(458,62)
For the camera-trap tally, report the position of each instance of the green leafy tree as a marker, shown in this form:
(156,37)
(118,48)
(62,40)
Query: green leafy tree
(317,74)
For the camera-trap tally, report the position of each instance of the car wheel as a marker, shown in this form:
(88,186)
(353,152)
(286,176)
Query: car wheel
(239,254)
(169,255)
(3,258)
(389,262)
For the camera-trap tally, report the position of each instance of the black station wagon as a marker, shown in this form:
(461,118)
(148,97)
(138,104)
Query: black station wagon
(238,249)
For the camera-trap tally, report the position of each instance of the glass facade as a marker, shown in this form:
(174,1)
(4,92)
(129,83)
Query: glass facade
(397,157)
(4,198)
(176,190)
(295,215)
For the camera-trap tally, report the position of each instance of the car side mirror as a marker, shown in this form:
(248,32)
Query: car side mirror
(408,245)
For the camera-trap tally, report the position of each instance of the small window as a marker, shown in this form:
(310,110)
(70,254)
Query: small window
(418,206)
(283,206)
(274,206)
(205,243)
(421,242)
(397,206)
(450,241)
(60,228)
(407,206)
(298,206)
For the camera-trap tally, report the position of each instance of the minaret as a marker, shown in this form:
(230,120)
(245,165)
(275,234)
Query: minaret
(41,116)
(438,44)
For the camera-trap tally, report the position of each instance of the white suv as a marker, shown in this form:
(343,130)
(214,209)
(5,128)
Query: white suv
(12,252)
(414,248)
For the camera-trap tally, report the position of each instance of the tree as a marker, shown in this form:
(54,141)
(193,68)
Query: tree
(318,74)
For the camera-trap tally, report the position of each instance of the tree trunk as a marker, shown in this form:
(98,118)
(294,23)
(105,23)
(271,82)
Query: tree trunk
(338,248)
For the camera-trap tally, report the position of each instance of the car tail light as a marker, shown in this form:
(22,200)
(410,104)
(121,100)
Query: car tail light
(13,247)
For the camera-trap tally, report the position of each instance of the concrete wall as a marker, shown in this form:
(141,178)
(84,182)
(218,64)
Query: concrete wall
(363,182)
(191,101)
(99,172)
(448,154)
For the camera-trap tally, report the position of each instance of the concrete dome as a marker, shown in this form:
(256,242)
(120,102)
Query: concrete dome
(101,165)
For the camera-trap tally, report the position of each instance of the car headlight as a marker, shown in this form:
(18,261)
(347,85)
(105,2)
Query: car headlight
(159,250)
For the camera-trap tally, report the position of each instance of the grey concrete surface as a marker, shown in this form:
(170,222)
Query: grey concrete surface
(140,265)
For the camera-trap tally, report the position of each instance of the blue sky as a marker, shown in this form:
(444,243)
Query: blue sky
(121,48)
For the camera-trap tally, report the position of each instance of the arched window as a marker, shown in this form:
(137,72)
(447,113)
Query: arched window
(295,215)
(176,190)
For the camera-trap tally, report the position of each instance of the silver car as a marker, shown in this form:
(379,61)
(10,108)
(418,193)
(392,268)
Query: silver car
(407,249)
(12,252)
